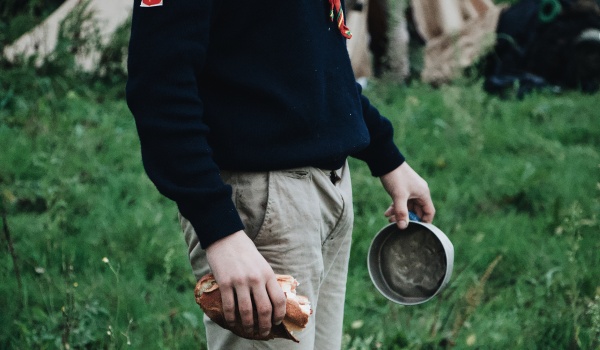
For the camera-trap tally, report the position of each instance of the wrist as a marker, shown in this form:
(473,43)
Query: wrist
(224,241)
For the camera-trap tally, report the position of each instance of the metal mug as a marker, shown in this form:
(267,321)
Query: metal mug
(413,265)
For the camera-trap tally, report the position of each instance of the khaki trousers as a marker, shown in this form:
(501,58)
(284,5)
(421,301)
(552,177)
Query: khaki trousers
(301,222)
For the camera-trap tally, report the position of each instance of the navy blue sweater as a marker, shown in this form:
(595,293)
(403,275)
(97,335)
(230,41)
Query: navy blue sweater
(244,86)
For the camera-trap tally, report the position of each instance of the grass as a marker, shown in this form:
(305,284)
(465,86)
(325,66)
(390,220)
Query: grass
(99,261)
(514,182)
(516,186)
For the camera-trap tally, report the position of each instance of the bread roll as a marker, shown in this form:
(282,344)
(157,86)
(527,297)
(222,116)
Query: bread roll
(297,310)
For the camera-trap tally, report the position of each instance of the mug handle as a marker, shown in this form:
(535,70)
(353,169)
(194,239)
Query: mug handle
(413,217)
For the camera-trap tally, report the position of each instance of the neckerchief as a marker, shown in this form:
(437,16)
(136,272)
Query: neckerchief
(338,13)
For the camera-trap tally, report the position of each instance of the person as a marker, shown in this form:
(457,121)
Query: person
(246,114)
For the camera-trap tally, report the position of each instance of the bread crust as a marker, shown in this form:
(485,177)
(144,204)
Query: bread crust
(297,313)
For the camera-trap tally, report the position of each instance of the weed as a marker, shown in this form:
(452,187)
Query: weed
(13,254)
(594,312)
(473,299)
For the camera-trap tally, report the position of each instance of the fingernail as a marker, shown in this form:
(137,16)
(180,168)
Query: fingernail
(403,224)
(264,334)
(248,330)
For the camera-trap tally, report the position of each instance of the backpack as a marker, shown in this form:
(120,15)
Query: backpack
(546,43)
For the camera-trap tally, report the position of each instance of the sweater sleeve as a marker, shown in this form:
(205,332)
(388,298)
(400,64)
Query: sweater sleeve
(382,155)
(167,51)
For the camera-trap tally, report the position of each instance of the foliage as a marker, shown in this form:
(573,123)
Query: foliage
(79,40)
(102,263)
(516,187)
(18,16)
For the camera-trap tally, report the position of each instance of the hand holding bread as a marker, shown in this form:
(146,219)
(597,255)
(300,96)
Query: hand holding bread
(296,317)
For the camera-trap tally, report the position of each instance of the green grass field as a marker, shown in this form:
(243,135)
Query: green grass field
(516,185)
(96,260)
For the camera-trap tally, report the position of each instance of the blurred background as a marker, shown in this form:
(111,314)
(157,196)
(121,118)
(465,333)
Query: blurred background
(494,104)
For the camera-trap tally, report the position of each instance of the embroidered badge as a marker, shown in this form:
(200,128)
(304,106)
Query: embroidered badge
(151,3)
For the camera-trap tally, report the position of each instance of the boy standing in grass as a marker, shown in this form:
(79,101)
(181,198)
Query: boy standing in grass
(246,113)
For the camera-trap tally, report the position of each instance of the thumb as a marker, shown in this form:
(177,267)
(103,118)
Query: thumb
(401,213)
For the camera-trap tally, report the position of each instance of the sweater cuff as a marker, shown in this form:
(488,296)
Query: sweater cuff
(383,158)
(212,222)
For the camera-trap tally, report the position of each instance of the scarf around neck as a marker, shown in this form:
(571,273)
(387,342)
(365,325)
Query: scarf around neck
(337,13)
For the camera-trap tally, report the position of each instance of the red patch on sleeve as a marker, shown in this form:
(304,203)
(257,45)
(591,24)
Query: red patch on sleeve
(151,3)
